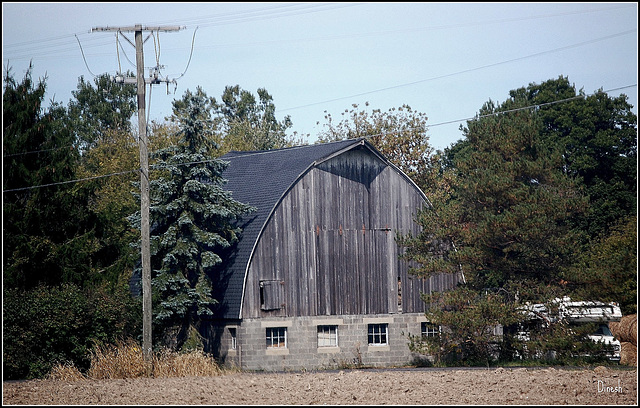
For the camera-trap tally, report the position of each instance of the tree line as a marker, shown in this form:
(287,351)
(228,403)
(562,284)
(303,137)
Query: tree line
(538,202)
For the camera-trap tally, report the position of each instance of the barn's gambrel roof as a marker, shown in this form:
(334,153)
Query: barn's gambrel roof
(261,179)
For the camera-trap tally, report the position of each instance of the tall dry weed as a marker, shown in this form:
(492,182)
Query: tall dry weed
(191,364)
(65,372)
(124,360)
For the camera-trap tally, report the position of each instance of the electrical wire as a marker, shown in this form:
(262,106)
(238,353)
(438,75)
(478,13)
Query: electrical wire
(464,71)
(70,181)
(38,151)
(118,52)
(253,15)
(156,167)
(156,49)
(193,39)
(85,60)
(265,13)
(146,124)
(125,54)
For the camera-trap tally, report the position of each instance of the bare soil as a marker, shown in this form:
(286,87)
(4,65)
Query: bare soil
(501,386)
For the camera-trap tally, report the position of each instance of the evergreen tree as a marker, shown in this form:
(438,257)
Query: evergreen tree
(507,209)
(44,237)
(598,138)
(192,221)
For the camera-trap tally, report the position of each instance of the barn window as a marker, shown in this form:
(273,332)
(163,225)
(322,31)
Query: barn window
(327,336)
(429,329)
(378,334)
(276,337)
(234,338)
(271,294)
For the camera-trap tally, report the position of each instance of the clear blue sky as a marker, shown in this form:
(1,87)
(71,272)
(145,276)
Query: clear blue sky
(442,59)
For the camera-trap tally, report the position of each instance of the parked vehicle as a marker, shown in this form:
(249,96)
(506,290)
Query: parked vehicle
(603,335)
(575,313)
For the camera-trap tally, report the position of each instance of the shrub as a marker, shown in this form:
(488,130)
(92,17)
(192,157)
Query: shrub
(47,326)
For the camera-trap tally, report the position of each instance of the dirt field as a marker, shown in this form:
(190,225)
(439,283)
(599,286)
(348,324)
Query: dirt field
(601,386)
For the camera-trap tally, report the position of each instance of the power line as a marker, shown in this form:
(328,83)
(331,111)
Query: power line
(216,20)
(193,39)
(268,13)
(70,181)
(464,71)
(85,60)
(38,151)
(158,167)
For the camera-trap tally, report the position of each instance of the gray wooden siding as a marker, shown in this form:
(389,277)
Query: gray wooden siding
(332,242)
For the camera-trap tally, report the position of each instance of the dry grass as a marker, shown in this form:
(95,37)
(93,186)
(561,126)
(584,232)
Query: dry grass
(65,372)
(125,360)
(194,363)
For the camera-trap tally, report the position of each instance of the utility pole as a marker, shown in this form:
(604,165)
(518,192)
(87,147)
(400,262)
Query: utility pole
(147,346)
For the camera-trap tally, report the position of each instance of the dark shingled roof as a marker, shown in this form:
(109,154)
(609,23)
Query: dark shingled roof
(261,179)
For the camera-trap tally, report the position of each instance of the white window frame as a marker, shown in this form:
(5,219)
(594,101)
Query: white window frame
(327,335)
(378,334)
(429,329)
(276,338)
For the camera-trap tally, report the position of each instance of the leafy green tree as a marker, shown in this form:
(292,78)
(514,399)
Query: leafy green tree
(507,211)
(468,320)
(110,201)
(246,123)
(61,254)
(192,221)
(100,107)
(597,138)
(400,134)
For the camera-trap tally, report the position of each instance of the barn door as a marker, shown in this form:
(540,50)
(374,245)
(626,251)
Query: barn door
(271,294)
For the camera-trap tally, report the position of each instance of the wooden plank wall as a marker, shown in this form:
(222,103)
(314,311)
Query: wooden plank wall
(332,242)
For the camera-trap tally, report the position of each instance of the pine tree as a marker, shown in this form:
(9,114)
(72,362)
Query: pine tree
(192,220)
(44,234)
(508,209)
(507,213)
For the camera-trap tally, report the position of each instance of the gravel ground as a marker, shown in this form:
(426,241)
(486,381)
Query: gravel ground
(495,386)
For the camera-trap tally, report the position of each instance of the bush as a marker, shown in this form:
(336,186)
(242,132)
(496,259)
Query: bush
(47,326)
(467,319)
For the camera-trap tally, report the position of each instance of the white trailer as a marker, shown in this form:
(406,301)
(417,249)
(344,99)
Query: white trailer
(577,312)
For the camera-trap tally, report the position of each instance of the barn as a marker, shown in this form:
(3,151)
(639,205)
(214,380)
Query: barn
(315,280)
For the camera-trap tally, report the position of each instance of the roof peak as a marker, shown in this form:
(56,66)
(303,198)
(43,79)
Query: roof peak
(239,153)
